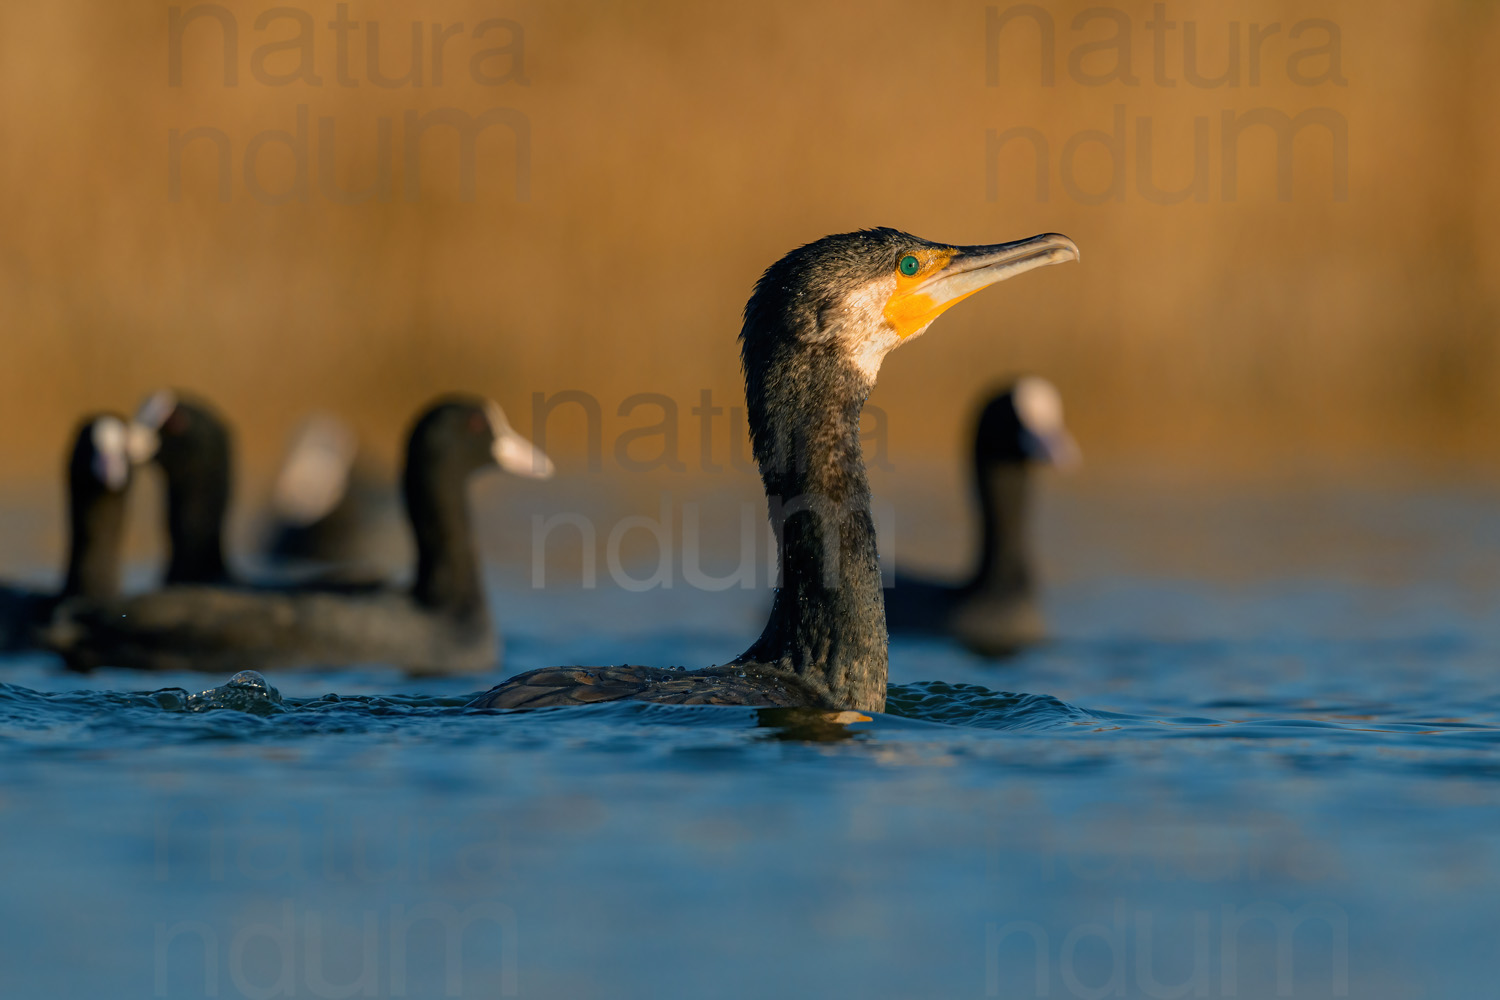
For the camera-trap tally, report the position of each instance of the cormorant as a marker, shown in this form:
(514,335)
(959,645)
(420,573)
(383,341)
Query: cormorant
(98,477)
(816,329)
(441,625)
(995,612)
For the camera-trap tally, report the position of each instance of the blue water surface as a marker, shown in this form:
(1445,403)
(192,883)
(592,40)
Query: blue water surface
(1260,759)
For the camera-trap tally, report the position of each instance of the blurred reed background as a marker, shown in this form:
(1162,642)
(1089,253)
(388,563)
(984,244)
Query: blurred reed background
(676,148)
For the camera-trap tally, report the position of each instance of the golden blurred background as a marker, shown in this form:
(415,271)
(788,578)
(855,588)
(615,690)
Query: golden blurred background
(673,149)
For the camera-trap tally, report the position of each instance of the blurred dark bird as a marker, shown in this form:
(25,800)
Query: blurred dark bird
(441,625)
(321,535)
(194,449)
(98,478)
(816,329)
(328,505)
(995,612)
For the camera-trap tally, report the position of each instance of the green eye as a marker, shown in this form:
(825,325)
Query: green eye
(909,265)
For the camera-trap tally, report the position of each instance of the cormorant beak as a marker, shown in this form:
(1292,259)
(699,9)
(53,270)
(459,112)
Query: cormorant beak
(514,453)
(953,274)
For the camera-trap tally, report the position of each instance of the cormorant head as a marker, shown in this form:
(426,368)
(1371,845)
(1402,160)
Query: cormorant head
(1024,423)
(469,433)
(100,459)
(867,292)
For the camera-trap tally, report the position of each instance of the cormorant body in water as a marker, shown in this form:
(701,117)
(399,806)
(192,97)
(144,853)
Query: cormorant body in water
(816,328)
(440,626)
(995,612)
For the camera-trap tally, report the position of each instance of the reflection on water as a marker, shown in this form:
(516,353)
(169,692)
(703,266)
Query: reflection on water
(1211,783)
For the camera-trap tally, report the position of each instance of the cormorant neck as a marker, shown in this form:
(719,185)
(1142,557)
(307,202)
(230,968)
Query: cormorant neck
(447,569)
(827,622)
(195,525)
(1004,490)
(96,534)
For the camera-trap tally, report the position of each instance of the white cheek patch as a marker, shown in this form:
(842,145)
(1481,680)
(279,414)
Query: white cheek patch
(111,462)
(315,475)
(868,354)
(864,311)
(514,453)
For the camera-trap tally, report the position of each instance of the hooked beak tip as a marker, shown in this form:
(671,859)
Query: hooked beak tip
(1066,245)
